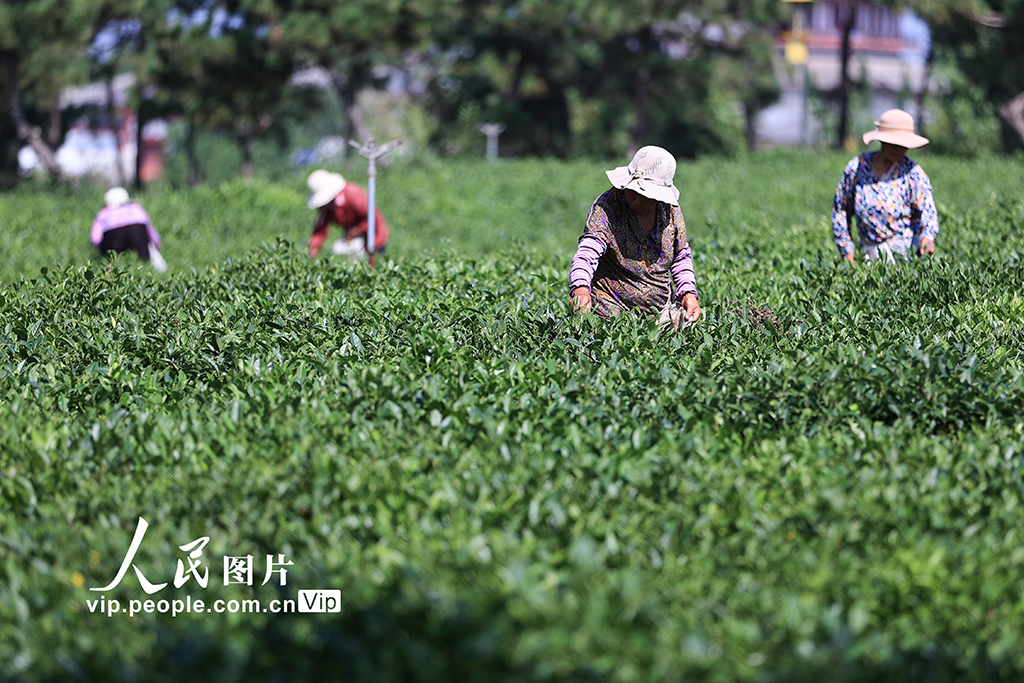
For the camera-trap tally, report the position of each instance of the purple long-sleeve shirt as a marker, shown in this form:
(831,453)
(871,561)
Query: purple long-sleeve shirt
(591,249)
(627,267)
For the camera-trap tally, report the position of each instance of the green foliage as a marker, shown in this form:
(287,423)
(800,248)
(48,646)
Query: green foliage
(226,69)
(964,123)
(42,45)
(824,104)
(597,79)
(218,155)
(44,39)
(348,39)
(591,79)
(819,479)
(512,62)
(990,60)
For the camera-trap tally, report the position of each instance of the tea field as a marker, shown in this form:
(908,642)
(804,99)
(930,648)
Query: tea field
(821,479)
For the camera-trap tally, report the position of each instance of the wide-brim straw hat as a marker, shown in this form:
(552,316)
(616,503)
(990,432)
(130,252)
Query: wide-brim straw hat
(650,173)
(325,186)
(116,196)
(897,128)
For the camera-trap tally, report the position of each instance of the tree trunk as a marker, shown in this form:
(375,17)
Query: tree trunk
(138,185)
(1013,113)
(27,133)
(750,112)
(922,94)
(643,79)
(245,144)
(195,173)
(115,126)
(355,124)
(512,94)
(53,135)
(849,21)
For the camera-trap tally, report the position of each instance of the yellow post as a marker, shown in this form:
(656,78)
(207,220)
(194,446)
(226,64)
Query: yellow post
(796,53)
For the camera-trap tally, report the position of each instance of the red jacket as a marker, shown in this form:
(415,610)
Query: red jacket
(350,211)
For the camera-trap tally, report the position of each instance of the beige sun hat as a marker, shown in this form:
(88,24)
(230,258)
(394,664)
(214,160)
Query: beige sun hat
(116,196)
(325,186)
(650,173)
(897,128)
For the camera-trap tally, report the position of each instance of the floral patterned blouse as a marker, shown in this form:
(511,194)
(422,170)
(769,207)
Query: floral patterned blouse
(897,206)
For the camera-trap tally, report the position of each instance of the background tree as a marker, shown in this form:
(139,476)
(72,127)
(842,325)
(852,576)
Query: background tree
(941,15)
(226,67)
(41,47)
(675,69)
(847,22)
(579,77)
(510,62)
(117,32)
(347,39)
(746,53)
(986,42)
(639,40)
(126,42)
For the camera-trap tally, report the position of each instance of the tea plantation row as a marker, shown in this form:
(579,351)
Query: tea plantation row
(822,478)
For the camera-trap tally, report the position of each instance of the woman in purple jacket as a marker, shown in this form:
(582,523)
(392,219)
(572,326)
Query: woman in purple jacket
(123,225)
(633,253)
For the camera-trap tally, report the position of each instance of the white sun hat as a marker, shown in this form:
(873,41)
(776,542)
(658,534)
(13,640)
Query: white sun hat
(116,196)
(325,186)
(650,173)
(897,128)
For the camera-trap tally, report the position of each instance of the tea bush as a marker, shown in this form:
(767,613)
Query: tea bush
(822,478)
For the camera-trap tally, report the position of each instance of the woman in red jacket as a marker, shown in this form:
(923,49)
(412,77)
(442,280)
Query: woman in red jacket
(346,204)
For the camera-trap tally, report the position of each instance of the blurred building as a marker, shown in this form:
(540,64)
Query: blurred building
(889,51)
(96,150)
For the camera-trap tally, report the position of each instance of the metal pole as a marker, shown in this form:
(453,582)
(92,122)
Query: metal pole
(372,151)
(798,31)
(492,131)
(371,228)
(804,133)
(797,53)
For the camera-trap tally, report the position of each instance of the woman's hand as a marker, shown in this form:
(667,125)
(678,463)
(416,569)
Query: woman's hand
(851,259)
(581,300)
(927,246)
(691,307)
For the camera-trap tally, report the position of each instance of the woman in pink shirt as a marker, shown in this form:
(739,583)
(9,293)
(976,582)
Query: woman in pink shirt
(124,225)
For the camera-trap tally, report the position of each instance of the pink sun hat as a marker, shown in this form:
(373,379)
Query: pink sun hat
(897,128)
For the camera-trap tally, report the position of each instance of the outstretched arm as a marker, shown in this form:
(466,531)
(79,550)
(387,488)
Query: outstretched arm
(682,273)
(686,283)
(584,265)
(319,235)
(154,236)
(924,217)
(592,246)
(96,232)
(842,208)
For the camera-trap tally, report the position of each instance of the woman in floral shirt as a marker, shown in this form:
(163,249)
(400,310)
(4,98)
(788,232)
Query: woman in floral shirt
(890,195)
(633,253)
